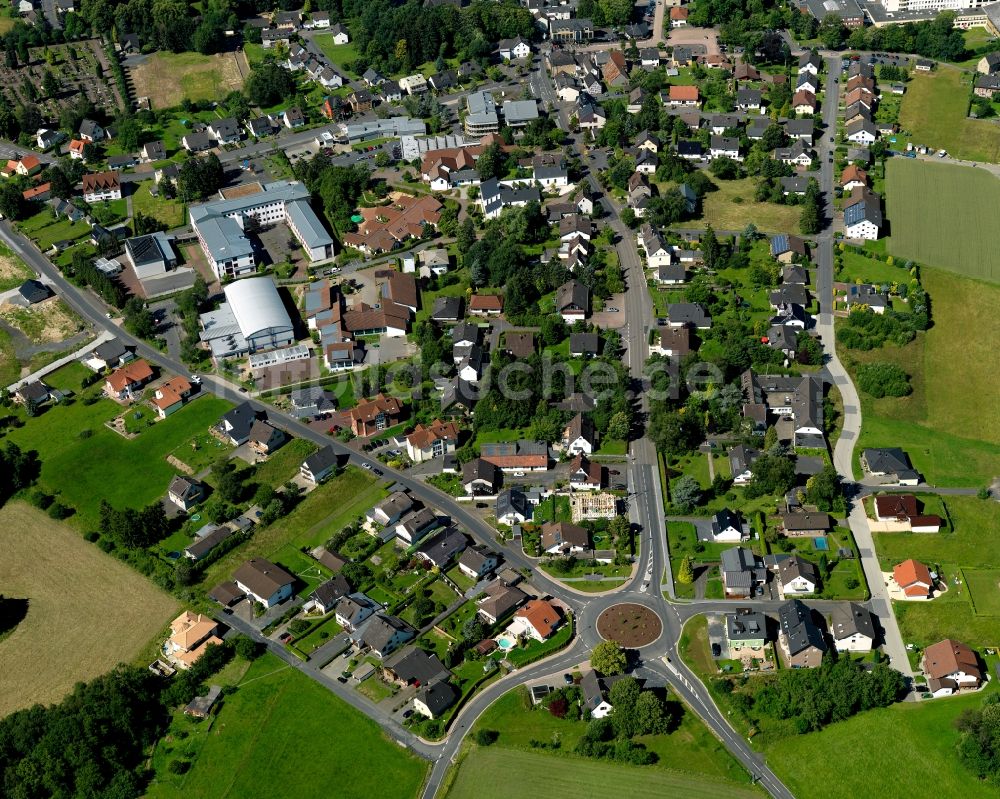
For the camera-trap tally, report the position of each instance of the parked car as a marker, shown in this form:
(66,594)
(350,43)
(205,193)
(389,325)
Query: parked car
(568,679)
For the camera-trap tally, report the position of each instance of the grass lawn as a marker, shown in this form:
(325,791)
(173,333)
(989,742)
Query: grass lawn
(13,271)
(914,747)
(859,267)
(201,451)
(170,212)
(948,439)
(934,112)
(553,509)
(689,751)
(254,747)
(733,206)
(10,367)
(284,464)
(319,636)
(341,500)
(74,589)
(45,229)
(105,466)
(69,377)
(941,215)
(984,587)
(339,54)
(536,650)
(950,615)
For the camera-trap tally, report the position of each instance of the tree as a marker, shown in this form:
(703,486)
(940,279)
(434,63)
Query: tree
(11,200)
(486,737)
(823,489)
(832,32)
(619,426)
(466,236)
(491,162)
(685,572)
(50,86)
(883,379)
(268,83)
(382,159)
(686,494)
(616,12)
(608,658)
(725,168)
(772,474)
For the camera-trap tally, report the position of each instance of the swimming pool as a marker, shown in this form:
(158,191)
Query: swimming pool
(821,543)
(506,643)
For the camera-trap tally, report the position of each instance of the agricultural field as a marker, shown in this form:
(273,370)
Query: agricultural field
(915,748)
(732,206)
(255,746)
(13,271)
(948,438)
(92,463)
(984,587)
(934,112)
(943,214)
(168,78)
(87,611)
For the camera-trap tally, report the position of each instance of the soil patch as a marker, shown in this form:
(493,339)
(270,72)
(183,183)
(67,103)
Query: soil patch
(630,625)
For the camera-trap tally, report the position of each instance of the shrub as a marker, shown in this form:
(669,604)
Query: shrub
(486,737)
(883,380)
(59,511)
(179,767)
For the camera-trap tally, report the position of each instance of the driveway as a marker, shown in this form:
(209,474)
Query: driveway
(717,633)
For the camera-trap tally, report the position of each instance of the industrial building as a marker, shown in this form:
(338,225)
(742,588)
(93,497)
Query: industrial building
(252,319)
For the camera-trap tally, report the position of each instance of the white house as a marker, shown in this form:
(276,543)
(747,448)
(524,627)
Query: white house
(797,576)
(264,582)
(578,436)
(538,620)
(852,628)
(727,528)
(724,146)
(514,48)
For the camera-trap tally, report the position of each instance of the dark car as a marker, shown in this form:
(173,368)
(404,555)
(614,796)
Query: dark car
(716,650)
(568,679)
(377,471)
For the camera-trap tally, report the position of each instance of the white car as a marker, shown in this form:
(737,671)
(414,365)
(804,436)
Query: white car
(518,474)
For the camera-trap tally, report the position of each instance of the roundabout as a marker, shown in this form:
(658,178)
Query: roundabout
(630,625)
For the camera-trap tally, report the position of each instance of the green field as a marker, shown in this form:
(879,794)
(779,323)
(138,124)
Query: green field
(691,748)
(324,511)
(949,439)
(45,229)
(105,466)
(170,212)
(984,587)
(934,112)
(944,215)
(480,776)
(898,751)
(281,734)
(339,54)
(732,206)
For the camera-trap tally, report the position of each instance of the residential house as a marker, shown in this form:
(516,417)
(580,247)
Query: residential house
(804,102)
(678,16)
(537,620)
(480,478)
(951,666)
(512,507)
(796,575)
(585,475)
(354,609)
(584,345)
(741,460)
(99,186)
(852,627)
(853,177)
(890,462)
(683,96)
(235,424)
(319,465)
(434,699)
(264,582)
(502,598)
(185,492)
(384,634)
(326,596)
(862,131)
(391,509)
(476,563)
(672,342)
(171,395)
(863,216)
(264,438)
(746,629)
(810,61)
(431,441)
(563,538)
(417,526)
(190,635)
(578,436)
(748,99)
(442,548)
(511,49)
(914,579)
(800,639)
(293,117)
(125,381)
(901,513)
(369,417)
(805,524)
(90,131)
(796,155)
(520,345)
(593,693)
(727,527)
(725,147)
(520,456)
(572,301)
(486,305)
(800,130)
(688,314)
(743,572)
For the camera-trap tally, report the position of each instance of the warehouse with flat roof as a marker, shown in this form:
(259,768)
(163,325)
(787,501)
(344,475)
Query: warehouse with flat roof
(252,319)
